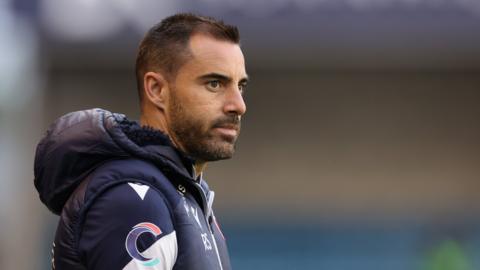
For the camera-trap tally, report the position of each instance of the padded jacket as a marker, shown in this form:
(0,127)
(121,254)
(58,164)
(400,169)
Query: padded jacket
(126,197)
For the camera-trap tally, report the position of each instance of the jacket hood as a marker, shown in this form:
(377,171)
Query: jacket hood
(77,143)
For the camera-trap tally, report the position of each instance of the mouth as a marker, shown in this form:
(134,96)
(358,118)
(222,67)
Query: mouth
(229,130)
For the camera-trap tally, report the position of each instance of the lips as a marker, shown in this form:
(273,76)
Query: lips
(228,130)
(228,126)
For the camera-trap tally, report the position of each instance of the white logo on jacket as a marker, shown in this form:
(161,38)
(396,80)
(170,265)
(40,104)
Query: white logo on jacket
(206,242)
(195,215)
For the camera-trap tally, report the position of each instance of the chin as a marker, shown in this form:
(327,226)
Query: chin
(218,151)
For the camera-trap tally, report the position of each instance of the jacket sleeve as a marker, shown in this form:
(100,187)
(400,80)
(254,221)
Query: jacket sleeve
(128,227)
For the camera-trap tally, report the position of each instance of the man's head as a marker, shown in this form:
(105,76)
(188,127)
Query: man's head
(191,75)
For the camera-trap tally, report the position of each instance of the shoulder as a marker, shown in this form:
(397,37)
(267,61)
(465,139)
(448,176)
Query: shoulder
(123,171)
(115,172)
(127,168)
(129,200)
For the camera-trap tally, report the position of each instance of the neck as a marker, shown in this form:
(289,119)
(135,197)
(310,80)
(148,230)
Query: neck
(152,119)
(199,167)
(146,119)
(157,120)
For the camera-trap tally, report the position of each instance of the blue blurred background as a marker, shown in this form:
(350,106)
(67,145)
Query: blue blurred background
(360,148)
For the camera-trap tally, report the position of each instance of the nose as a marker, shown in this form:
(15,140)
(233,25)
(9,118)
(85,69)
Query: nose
(234,102)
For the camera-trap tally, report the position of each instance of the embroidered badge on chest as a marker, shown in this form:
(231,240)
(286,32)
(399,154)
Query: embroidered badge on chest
(131,242)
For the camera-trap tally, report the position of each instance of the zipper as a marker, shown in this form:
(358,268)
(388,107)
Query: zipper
(203,197)
(208,202)
(208,214)
(216,248)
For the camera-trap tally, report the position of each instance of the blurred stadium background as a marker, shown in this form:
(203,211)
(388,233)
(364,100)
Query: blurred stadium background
(360,148)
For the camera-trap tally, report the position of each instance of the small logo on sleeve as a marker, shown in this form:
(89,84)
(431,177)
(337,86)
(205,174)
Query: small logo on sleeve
(131,242)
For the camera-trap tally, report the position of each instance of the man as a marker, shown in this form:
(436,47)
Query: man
(130,195)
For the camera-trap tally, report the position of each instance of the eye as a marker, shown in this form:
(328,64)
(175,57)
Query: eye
(213,85)
(242,87)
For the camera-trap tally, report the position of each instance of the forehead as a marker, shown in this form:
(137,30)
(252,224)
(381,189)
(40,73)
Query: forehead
(213,55)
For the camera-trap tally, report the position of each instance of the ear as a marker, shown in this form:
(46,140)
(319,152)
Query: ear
(155,89)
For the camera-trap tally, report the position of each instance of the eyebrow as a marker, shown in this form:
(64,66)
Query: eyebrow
(220,77)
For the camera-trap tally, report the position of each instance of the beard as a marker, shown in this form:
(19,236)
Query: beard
(196,134)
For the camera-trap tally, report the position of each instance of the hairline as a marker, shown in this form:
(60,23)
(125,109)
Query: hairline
(187,53)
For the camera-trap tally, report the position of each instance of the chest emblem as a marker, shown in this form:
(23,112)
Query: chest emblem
(131,242)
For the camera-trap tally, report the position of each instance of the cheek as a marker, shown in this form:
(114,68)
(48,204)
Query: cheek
(197,116)
(204,118)
(204,106)
(200,107)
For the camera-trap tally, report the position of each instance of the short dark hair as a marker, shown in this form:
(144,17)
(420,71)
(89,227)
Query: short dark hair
(165,46)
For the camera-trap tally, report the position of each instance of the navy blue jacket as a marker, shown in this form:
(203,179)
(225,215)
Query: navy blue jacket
(127,198)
